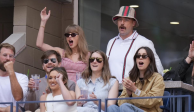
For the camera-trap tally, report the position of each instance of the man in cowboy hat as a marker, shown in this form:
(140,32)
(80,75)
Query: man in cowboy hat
(122,48)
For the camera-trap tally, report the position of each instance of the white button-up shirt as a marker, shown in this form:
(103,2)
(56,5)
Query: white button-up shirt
(119,50)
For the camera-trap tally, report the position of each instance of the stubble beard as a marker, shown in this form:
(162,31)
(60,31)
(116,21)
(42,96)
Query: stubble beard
(2,66)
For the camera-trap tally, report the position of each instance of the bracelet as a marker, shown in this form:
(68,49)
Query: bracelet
(42,26)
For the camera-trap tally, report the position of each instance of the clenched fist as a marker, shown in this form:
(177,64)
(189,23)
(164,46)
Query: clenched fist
(9,67)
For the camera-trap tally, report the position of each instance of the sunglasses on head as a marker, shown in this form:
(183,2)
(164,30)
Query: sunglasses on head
(72,34)
(99,60)
(53,60)
(143,56)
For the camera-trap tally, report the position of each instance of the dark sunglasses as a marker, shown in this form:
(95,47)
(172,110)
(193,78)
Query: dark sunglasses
(72,34)
(53,60)
(143,56)
(99,60)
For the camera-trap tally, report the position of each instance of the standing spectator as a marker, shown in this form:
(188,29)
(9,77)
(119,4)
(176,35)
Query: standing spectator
(121,49)
(13,86)
(75,55)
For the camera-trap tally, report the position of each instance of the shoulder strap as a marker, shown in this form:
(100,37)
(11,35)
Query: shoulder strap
(125,59)
(111,48)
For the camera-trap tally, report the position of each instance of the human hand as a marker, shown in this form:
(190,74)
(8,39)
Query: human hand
(31,83)
(129,85)
(81,103)
(191,50)
(9,67)
(44,16)
(47,91)
(93,96)
(59,78)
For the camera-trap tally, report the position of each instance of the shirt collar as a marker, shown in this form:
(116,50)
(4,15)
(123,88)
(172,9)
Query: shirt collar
(149,79)
(131,37)
(45,76)
(97,80)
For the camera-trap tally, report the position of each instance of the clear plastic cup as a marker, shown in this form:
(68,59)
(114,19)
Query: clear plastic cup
(36,78)
(84,93)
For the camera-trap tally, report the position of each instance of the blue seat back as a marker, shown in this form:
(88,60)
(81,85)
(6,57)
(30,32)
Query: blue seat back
(166,100)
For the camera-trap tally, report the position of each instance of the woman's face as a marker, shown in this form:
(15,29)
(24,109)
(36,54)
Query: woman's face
(142,60)
(52,80)
(96,62)
(72,39)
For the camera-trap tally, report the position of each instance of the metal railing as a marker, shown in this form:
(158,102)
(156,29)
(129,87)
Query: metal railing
(174,96)
(21,102)
(11,105)
(99,100)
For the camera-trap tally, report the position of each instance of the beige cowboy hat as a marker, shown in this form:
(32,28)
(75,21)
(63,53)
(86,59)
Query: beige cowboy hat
(126,11)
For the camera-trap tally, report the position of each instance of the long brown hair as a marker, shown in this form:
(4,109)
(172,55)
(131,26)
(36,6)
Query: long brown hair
(134,73)
(63,72)
(106,75)
(82,44)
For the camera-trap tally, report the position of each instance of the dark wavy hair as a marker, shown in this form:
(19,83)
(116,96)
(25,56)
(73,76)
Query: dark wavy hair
(106,75)
(134,73)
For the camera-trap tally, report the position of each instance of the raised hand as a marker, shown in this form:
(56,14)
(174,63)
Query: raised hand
(191,51)
(44,16)
(59,78)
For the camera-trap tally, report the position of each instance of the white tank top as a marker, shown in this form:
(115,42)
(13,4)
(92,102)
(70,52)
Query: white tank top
(58,106)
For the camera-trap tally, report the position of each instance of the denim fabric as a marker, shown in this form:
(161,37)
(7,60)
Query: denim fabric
(125,107)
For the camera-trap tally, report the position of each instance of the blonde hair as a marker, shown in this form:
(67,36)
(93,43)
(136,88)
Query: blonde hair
(82,44)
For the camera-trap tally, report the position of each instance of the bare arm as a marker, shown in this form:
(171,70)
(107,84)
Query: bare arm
(40,38)
(16,89)
(113,93)
(67,95)
(42,105)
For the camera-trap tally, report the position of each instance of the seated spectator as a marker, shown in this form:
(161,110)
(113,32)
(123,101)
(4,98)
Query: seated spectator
(100,83)
(143,81)
(13,86)
(57,82)
(49,59)
(185,70)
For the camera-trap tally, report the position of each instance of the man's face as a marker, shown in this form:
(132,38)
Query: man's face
(6,55)
(125,26)
(50,63)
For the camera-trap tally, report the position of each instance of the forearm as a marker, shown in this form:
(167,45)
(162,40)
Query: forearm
(40,37)
(66,93)
(16,89)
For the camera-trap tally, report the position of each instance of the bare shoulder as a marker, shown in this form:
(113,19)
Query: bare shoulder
(43,97)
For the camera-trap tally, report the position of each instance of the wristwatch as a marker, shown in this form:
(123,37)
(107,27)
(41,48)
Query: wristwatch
(137,92)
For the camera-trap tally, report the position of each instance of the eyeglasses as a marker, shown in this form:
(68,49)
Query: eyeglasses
(99,60)
(72,34)
(53,60)
(143,56)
